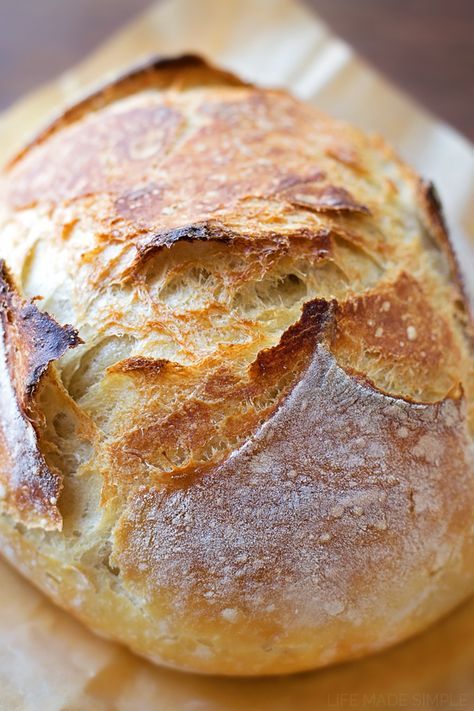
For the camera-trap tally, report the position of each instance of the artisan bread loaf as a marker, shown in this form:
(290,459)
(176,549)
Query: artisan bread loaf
(236,383)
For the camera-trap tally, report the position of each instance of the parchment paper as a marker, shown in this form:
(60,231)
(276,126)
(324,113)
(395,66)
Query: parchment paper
(49,662)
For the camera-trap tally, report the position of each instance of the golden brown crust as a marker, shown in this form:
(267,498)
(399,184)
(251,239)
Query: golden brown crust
(157,73)
(397,327)
(264,437)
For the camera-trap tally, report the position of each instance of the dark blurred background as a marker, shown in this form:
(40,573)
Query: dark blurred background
(424,46)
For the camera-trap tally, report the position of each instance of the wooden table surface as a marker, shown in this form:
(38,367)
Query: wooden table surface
(424,46)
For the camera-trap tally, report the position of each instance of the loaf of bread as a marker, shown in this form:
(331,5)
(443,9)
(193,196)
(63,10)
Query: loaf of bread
(236,384)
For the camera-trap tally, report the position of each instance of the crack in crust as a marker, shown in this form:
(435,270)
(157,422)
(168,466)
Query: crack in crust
(321,241)
(30,341)
(213,407)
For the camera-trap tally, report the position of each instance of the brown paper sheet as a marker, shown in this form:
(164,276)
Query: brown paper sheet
(49,662)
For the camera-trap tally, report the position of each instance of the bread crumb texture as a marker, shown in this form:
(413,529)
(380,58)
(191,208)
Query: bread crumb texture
(251,450)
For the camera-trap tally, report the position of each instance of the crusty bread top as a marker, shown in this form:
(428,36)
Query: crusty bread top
(206,238)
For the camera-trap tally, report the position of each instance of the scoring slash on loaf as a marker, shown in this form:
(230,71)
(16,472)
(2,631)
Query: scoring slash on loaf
(251,450)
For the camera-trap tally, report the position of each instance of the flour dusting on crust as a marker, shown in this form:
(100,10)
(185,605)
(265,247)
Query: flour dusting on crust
(326,510)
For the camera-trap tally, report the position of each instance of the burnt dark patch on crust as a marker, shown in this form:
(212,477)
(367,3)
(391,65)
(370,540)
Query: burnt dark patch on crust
(35,338)
(319,243)
(154,243)
(30,341)
(433,204)
(299,340)
(435,224)
(189,233)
